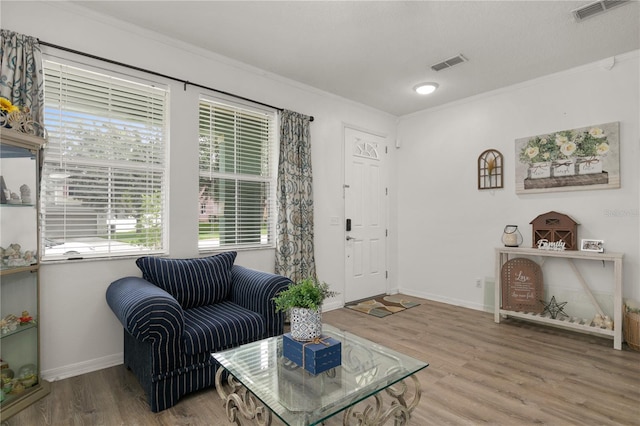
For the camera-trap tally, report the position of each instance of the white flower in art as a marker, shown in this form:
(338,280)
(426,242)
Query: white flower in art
(545,155)
(602,148)
(597,133)
(561,140)
(532,151)
(568,148)
(543,141)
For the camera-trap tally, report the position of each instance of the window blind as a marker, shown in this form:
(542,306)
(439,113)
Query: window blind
(103,179)
(237,176)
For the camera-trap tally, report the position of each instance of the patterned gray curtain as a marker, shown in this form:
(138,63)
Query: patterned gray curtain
(22,78)
(294,231)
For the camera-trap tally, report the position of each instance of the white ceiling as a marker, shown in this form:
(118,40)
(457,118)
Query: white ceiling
(375,52)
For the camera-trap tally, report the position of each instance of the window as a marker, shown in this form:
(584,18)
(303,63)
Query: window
(104,167)
(237,179)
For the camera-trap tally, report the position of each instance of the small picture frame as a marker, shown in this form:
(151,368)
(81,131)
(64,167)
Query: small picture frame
(592,245)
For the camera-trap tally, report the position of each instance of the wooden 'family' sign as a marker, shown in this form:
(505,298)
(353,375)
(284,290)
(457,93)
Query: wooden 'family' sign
(522,286)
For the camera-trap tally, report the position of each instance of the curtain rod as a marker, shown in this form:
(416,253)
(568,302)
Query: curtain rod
(157,74)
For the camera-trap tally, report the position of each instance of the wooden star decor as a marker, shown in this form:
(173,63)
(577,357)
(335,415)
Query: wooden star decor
(554,308)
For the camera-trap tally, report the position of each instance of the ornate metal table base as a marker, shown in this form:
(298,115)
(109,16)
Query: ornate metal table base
(240,401)
(399,409)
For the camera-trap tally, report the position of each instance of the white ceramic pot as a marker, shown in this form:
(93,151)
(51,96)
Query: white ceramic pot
(306,324)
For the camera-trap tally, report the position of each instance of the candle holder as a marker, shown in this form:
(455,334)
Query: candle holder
(511,237)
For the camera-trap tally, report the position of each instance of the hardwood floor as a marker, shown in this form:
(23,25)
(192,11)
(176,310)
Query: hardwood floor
(513,373)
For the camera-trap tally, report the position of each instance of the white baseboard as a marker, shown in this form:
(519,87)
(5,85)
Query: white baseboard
(447,300)
(331,306)
(83,367)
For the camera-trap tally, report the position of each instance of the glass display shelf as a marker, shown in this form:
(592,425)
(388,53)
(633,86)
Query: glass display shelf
(20,329)
(32,391)
(8,270)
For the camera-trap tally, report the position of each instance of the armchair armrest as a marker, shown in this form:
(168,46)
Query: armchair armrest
(255,290)
(146,311)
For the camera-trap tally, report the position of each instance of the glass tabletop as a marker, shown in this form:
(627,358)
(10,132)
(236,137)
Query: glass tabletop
(299,398)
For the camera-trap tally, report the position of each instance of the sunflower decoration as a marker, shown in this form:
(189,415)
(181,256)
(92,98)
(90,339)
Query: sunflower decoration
(7,111)
(13,116)
(7,107)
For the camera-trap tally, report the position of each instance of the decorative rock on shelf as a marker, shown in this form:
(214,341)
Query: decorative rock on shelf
(608,322)
(14,198)
(27,374)
(25,194)
(9,323)
(13,256)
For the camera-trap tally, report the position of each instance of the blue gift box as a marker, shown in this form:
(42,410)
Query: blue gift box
(318,357)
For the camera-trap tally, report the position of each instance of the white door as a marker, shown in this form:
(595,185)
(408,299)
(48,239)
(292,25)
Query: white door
(365,213)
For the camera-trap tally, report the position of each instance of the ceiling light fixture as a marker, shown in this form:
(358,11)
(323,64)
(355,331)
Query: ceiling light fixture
(425,88)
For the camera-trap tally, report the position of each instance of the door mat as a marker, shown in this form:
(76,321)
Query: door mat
(382,306)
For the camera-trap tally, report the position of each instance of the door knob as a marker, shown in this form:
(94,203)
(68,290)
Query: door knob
(350,238)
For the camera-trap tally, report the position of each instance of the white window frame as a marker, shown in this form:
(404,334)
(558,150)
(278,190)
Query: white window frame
(65,242)
(269,179)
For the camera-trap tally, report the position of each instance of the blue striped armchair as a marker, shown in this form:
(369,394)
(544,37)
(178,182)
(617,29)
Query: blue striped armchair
(181,311)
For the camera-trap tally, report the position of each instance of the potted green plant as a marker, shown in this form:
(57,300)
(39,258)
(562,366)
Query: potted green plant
(303,300)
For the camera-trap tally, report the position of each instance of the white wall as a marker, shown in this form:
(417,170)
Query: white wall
(78,331)
(448,228)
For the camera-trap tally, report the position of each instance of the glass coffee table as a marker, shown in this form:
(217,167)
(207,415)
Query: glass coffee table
(260,382)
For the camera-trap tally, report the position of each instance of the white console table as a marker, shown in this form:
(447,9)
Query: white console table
(502,256)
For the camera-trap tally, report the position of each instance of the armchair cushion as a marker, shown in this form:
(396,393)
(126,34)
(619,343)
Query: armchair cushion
(192,282)
(221,326)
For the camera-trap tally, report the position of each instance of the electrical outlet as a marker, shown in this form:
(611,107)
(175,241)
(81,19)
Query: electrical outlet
(478,282)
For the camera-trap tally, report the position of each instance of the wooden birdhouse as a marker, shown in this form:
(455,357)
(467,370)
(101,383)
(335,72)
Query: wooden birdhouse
(554,227)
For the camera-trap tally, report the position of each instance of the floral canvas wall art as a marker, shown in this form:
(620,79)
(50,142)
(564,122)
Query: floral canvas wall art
(569,160)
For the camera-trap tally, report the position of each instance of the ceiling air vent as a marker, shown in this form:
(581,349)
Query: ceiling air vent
(449,63)
(596,8)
